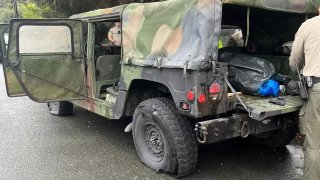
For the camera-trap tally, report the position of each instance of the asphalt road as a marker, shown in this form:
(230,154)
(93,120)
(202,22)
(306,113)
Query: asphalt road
(37,145)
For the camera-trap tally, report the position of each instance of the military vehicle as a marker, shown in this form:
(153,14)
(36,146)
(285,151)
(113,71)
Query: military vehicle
(168,76)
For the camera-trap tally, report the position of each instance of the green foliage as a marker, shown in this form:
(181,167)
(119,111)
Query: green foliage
(56,8)
(5,15)
(32,10)
(66,8)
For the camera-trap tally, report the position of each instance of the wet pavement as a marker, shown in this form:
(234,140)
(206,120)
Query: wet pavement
(37,145)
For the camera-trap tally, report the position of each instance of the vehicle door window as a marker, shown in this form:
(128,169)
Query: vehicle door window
(35,39)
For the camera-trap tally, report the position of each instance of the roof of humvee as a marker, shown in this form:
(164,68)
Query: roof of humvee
(295,6)
(100,12)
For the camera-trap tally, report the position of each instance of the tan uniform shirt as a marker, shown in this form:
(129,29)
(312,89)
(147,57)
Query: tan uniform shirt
(116,35)
(306,48)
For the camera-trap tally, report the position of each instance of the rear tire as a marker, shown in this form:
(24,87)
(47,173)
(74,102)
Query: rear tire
(164,140)
(62,108)
(281,137)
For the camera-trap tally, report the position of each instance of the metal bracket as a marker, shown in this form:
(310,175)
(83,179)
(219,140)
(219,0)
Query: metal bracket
(17,62)
(236,95)
(129,61)
(214,66)
(159,62)
(78,59)
(185,67)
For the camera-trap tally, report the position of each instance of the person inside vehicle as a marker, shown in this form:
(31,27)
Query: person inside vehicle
(114,35)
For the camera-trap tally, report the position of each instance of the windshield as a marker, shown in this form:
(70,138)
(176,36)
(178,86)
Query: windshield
(293,5)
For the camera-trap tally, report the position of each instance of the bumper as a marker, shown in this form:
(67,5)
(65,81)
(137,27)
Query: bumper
(237,125)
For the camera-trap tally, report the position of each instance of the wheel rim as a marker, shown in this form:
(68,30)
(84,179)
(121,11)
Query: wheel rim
(154,141)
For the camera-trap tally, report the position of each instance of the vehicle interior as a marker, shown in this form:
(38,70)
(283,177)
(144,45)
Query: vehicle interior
(107,60)
(270,33)
(267,35)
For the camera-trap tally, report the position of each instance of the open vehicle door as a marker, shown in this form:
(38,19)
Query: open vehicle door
(3,40)
(46,56)
(12,84)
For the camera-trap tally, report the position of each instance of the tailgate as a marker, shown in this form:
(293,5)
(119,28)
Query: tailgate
(260,108)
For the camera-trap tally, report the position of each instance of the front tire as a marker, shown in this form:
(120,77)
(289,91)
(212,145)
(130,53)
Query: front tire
(63,108)
(164,140)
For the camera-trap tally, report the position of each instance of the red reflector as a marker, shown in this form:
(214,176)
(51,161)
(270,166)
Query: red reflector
(190,95)
(185,106)
(214,88)
(202,98)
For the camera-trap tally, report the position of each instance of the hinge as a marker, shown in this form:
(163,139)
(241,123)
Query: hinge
(17,62)
(129,61)
(79,59)
(185,67)
(159,62)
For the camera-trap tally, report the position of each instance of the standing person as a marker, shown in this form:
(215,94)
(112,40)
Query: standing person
(114,34)
(306,55)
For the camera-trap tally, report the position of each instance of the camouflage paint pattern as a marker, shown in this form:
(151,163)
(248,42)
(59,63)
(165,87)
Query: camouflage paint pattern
(160,40)
(3,29)
(296,6)
(91,101)
(99,12)
(48,77)
(13,86)
(171,34)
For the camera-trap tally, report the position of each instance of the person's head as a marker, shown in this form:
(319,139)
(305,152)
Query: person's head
(316,4)
(118,24)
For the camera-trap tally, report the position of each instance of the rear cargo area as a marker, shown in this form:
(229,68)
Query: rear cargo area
(261,108)
(268,32)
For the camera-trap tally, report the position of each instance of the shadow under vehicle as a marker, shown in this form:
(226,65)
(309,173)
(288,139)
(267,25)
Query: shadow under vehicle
(167,76)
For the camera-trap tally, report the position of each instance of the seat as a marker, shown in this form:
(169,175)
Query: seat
(108,70)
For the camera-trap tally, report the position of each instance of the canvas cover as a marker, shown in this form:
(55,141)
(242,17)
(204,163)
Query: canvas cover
(99,12)
(172,33)
(297,6)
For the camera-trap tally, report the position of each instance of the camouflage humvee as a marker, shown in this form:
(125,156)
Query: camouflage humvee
(168,76)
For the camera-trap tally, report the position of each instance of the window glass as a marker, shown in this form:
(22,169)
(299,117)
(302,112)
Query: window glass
(44,39)
(6,38)
(293,5)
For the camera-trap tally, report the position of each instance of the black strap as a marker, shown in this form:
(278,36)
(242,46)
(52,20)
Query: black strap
(315,80)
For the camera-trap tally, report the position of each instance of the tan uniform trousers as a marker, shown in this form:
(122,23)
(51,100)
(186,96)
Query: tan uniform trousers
(310,126)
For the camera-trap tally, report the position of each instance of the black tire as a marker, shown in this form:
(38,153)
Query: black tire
(165,141)
(281,137)
(62,108)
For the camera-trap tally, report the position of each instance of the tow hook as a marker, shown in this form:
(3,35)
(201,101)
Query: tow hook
(201,133)
(244,130)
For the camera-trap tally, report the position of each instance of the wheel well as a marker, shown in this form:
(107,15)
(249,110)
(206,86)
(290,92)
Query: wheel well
(141,90)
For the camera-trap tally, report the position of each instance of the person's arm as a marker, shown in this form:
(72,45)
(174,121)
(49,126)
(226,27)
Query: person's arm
(110,37)
(297,53)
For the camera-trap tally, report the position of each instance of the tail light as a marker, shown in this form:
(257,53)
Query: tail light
(214,89)
(202,98)
(190,95)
